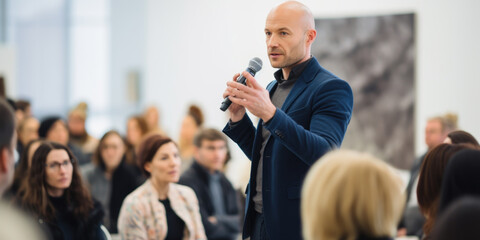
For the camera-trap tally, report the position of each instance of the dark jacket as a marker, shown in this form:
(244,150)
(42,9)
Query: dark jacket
(124,181)
(312,121)
(83,229)
(227,227)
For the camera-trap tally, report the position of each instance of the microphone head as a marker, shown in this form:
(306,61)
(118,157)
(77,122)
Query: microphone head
(255,64)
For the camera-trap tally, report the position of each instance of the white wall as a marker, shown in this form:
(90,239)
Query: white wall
(127,53)
(7,69)
(194,47)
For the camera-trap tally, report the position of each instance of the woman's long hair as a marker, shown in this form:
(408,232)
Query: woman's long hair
(23,165)
(35,197)
(430,180)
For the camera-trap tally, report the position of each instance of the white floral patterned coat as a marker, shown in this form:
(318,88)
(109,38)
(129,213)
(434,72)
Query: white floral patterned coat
(142,215)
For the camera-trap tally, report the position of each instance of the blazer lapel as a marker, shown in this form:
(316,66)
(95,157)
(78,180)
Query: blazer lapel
(301,84)
(158,217)
(180,207)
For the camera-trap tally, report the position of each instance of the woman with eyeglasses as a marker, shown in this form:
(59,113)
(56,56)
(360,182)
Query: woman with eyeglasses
(56,196)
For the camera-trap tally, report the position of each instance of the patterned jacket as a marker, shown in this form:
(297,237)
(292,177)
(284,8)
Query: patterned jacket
(142,215)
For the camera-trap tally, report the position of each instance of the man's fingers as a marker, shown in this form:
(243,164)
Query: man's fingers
(238,86)
(238,101)
(235,77)
(251,81)
(227,92)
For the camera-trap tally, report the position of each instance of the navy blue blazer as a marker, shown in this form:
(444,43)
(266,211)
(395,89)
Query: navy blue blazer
(312,121)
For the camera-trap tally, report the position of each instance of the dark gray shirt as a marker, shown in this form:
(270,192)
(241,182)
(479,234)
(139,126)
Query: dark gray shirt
(278,98)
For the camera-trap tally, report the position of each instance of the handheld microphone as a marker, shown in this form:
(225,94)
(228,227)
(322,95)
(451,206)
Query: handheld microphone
(254,66)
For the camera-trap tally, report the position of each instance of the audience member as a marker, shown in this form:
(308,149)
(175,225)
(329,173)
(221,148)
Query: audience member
(430,180)
(56,196)
(8,140)
(137,129)
(351,196)
(21,171)
(152,118)
(191,123)
(160,208)
(217,198)
(14,225)
(460,136)
(54,129)
(462,178)
(110,179)
(23,110)
(436,132)
(3,94)
(459,221)
(78,131)
(27,131)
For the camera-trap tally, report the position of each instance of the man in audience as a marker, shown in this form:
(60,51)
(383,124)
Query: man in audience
(13,224)
(8,141)
(216,196)
(436,131)
(78,131)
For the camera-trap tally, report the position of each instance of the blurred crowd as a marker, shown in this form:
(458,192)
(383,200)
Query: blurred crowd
(70,185)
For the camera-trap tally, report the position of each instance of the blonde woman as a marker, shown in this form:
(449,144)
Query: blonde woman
(351,196)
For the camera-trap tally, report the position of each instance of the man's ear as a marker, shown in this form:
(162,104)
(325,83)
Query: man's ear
(3,160)
(311,35)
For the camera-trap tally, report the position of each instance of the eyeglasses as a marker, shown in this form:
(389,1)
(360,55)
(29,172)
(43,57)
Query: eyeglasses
(56,165)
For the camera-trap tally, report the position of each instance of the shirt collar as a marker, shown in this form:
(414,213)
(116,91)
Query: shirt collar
(206,171)
(297,70)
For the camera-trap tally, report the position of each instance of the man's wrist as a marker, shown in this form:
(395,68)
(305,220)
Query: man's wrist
(270,114)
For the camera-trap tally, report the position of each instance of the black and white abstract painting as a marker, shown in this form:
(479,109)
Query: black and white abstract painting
(376,55)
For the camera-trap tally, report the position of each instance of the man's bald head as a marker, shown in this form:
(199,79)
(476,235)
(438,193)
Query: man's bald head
(290,32)
(297,11)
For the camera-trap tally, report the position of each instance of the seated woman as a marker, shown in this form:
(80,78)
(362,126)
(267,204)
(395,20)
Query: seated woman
(461,179)
(430,181)
(191,124)
(459,136)
(55,194)
(351,196)
(110,179)
(460,220)
(160,209)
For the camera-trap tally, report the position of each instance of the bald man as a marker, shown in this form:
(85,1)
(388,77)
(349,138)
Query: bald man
(303,114)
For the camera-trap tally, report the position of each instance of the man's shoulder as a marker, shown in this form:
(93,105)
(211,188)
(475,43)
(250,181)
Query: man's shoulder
(190,176)
(226,181)
(316,75)
(15,224)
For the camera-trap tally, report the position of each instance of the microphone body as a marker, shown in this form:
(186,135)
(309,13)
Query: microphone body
(254,66)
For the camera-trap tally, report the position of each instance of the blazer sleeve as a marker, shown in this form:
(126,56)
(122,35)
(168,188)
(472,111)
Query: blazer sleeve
(130,221)
(331,109)
(243,133)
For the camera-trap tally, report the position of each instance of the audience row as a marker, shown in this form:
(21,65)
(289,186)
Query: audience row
(77,187)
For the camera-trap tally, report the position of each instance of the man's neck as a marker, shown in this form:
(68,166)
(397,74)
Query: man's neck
(287,70)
